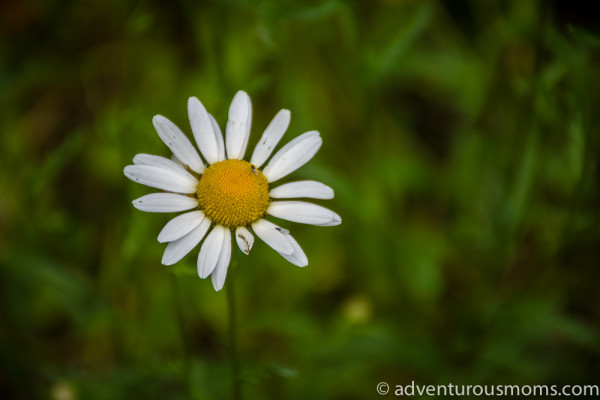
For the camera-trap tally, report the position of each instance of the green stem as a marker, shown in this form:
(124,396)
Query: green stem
(186,370)
(233,354)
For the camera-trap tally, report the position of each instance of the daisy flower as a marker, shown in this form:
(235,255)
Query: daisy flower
(225,195)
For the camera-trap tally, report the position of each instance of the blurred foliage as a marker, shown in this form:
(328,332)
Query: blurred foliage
(462,141)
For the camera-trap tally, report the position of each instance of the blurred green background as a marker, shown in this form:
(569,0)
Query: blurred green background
(461,139)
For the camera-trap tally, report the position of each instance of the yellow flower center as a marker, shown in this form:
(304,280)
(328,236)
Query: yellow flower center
(233,193)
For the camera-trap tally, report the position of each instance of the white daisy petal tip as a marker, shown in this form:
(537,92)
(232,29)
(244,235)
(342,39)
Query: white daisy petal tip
(180,226)
(219,274)
(244,239)
(298,189)
(293,155)
(273,235)
(217,283)
(337,220)
(238,125)
(179,248)
(158,161)
(179,144)
(297,257)
(164,202)
(165,260)
(203,130)
(271,137)
(304,213)
(160,177)
(210,252)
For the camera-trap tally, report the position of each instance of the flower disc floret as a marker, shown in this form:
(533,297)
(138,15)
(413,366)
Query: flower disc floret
(233,193)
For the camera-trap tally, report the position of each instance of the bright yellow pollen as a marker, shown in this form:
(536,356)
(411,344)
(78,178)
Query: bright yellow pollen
(233,193)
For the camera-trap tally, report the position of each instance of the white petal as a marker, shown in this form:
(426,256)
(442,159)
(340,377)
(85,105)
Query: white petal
(203,130)
(165,202)
(304,213)
(219,137)
(312,189)
(270,138)
(273,235)
(180,226)
(293,155)
(210,251)
(179,144)
(162,178)
(178,249)
(297,257)
(238,125)
(158,161)
(220,273)
(244,239)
